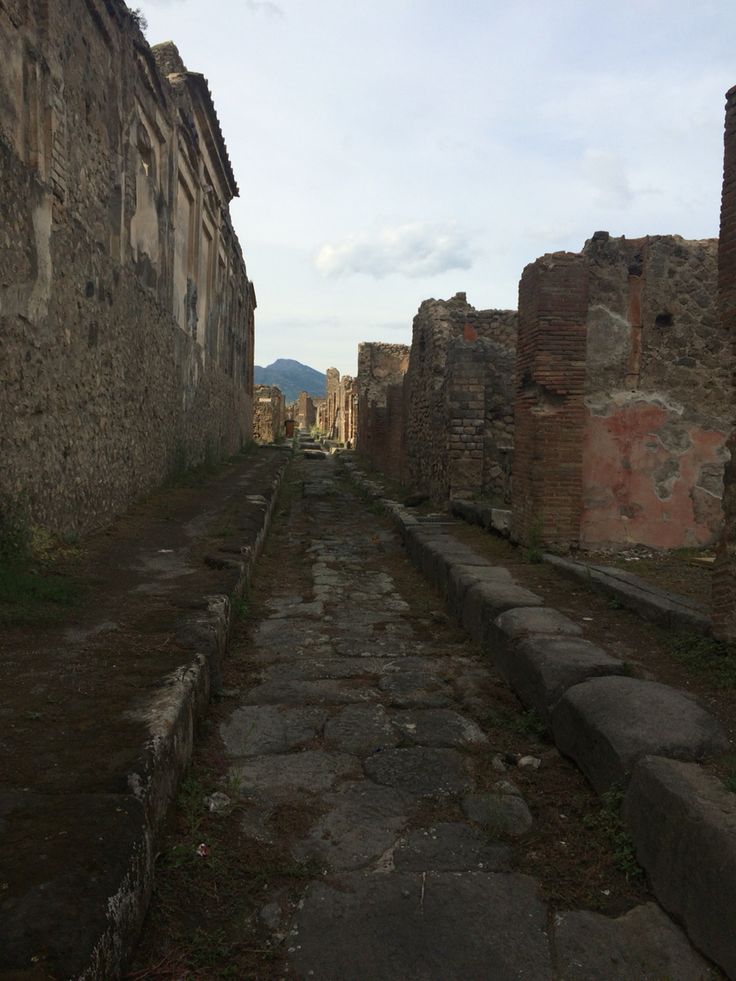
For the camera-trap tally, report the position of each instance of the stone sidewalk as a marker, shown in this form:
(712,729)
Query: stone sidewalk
(364,718)
(98,715)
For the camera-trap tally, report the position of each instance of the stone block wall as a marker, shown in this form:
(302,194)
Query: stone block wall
(269,414)
(306,413)
(348,421)
(724,574)
(380,405)
(126,312)
(622,396)
(459,401)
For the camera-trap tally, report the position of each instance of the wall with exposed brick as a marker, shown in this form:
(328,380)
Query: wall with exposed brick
(126,312)
(269,414)
(724,574)
(626,445)
(380,412)
(459,401)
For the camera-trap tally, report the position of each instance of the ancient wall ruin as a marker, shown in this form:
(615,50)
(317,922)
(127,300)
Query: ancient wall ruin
(459,401)
(269,414)
(724,574)
(380,414)
(306,412)
(623,395)
(126,312)
(348,411)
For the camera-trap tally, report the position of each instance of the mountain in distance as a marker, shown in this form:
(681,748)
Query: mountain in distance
(292,377)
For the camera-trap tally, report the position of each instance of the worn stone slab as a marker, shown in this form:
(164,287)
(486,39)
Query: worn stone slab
(361,823)
(324,692)
(434,925)
(461,577)
(256,729)
(503,812)
(323,669)
(651,603)
(441,554)
(361,729)
(607,724)
(683,822)
(451,847)
(420,770)
(541,668)
(515,624)
(483,602)
(416,687)
(438,727)
(643,944)
(312,771)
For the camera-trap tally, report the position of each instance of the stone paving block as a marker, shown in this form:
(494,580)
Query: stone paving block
(541,668)
(419,770)
(450,847)
(256,729)
(324,669)
(434,925)
(515,624)
(362,821)
(606,724)
(324,692)
(642,945)
(283,775)
(462,576)
(683,822)
(416,687)
(501,812)
(361,729)
(484,601)
(445,553)
(439,728)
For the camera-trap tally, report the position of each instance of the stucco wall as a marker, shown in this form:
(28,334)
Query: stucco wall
(127,319)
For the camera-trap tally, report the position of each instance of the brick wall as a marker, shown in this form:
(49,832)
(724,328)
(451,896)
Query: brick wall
(550,389)
(126,312)
(724,577)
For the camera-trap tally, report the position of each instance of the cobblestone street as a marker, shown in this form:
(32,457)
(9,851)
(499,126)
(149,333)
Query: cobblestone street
(357,741)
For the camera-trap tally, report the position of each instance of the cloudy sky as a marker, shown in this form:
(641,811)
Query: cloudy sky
(388,151)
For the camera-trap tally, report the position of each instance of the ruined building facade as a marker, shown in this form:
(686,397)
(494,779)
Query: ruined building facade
(126,311)
(337,416)
(724,574)
(623,396)
(269,414)
(380,405)
(458,397)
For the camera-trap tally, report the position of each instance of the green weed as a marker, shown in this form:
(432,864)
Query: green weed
(707,656)
(609,822)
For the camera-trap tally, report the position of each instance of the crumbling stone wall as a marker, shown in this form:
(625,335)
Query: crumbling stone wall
(622,395)
(347,420)
(269,413)
(459,401)
(380,423)
(125,308)
(724,573)
(306,413)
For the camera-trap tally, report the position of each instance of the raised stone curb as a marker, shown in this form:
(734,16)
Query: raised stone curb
(99,870)
(653,604)
(607,724)
(683,823)
(684,826)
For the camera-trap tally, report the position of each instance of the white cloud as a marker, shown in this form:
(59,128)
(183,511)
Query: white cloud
(414,249)
(606,173)
(264,6)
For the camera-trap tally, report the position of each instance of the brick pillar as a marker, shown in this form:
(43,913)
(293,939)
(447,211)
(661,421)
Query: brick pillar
(724,573)
(549,407)
(465,413)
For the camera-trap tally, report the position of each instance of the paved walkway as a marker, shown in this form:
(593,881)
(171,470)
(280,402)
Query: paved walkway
(363,721)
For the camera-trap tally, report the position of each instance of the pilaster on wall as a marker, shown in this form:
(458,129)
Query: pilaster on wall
(724,575)
(550,389)
(465,413)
